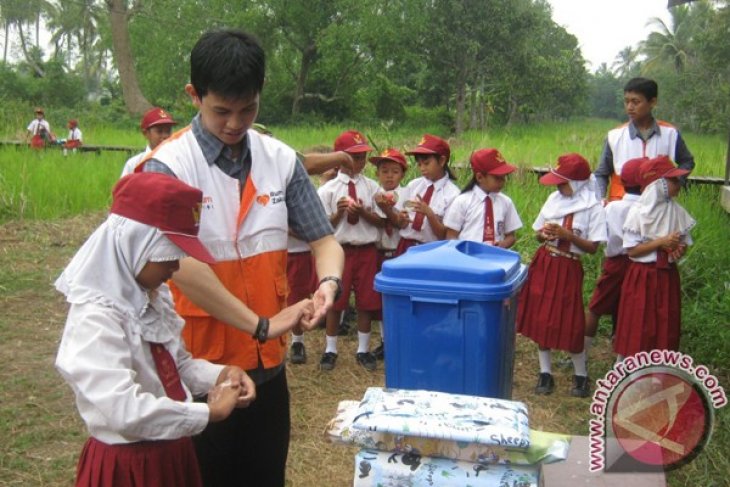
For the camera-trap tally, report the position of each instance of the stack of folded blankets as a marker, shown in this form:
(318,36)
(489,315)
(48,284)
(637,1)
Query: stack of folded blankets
(414,438)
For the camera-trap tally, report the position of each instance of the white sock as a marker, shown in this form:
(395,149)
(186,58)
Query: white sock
(331,344)
(543,356)
(579,363)
(363,342)
(382,331)
(297,338)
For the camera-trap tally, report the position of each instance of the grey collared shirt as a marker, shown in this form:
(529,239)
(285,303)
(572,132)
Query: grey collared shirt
(682,156)
(307,217)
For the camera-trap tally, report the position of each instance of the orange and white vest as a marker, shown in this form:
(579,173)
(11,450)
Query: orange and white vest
(624,148)
(246,230)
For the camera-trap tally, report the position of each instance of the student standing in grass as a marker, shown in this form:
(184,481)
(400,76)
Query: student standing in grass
(348,200)
(39,130)
(481,212)
(656,235)
(641,136)
(426,199)
(254,190)
(121,349)
(550,305)
(391,167)
(607,292)
(156,126)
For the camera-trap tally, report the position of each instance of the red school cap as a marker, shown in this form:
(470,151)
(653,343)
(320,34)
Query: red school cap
(156,116)
(166,203)
(490,161)
(352,142)
(73,123)
(658,167)
(571,167)
(430,144)
(392,155)
(630,172)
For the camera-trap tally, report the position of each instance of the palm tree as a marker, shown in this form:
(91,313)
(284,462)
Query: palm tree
(626,62)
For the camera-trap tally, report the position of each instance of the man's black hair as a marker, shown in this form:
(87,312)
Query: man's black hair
(645,86)
(230,63)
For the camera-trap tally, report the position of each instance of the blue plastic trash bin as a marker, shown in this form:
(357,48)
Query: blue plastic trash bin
(449,316)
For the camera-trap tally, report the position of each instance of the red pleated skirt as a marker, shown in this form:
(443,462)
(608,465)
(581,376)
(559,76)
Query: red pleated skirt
(650,310)
(170,463)
(550,307)
(608,287)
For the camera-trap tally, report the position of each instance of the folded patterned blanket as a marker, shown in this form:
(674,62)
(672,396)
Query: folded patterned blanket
(440,415)
(375,468)
(544,447)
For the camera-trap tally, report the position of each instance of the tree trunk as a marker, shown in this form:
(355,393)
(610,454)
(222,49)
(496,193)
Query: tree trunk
(38,70)
(7,39)
(134,100)
(460,99)
(308,55)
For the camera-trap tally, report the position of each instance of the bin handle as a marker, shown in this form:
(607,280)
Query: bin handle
(419,299)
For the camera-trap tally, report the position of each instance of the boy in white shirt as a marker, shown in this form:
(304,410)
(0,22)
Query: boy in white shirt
(156,126)
(348,201)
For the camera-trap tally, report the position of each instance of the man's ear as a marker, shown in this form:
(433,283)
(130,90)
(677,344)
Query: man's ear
(190,90)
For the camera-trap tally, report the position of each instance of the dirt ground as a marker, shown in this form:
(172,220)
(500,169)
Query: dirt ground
(42,434)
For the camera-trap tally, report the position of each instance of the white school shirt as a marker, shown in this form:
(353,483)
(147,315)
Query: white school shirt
(134,161)
(385,241)
(444,192)
(332,191)
(632,239)
(35,124)
(466,215)
(297,246)
(616,212)
(75,134)
(105,356)
(589,224)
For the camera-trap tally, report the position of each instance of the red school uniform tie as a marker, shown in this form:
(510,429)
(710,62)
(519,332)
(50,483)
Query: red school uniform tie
(352,219)
(488,235)
(167,371)
(564,245)
(418,220)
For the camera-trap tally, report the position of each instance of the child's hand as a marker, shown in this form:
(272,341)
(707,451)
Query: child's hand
(679,252)
(235,375)
(671,242)
(420,206)
(343,204)
(222,398)
(549,231)
(403,219)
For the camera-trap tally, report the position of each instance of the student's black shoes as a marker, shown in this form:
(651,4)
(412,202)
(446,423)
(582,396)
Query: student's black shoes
(379,351)
(366,360)
(328,360)
(545,384)
(581,386)
(297,353)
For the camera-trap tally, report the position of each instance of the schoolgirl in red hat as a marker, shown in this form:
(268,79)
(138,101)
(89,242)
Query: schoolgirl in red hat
(75,137)
(550,310)
(121,349)
(607,292)
(481,212)
(656,236)
(426,199)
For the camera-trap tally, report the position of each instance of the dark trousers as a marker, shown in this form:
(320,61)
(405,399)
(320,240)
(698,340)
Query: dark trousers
(250,447)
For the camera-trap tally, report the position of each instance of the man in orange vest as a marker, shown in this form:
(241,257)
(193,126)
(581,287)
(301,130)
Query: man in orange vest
(254,189)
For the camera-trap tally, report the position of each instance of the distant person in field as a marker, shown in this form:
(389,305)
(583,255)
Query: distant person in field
(121,350)
(482,213)
(641,136)
(255,189)
(39,130)
(75,138)
(156,126)
(656,236)
(550,306)
(607,292)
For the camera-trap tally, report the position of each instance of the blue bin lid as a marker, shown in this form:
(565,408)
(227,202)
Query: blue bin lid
(453,269)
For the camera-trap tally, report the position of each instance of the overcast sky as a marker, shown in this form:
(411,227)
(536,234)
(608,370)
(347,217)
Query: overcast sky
(604,27)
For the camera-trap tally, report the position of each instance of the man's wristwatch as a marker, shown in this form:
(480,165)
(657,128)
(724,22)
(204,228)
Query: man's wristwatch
(262,330)
(337,281)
